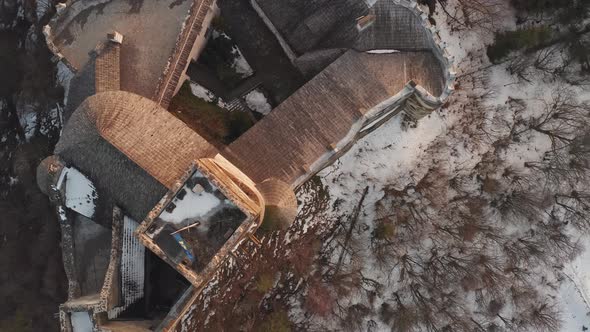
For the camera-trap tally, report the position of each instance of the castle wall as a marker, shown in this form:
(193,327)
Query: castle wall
(190,41)
(199,45)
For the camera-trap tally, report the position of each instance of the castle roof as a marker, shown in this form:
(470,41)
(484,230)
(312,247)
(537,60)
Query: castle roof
(151,29)
(158,38)
(313,120)
(130,147)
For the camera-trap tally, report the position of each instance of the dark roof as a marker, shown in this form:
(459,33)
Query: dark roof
(81,87)
(118,180)
(312,25)
(395,27)
(150,30)
(325,24)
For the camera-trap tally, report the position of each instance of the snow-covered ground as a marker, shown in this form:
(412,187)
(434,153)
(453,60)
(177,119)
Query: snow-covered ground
(43,7)
(390,154)
(575,294)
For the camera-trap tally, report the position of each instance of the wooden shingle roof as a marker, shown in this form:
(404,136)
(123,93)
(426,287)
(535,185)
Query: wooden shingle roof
(321,113)
(132,149)
(280,202)
(146,133)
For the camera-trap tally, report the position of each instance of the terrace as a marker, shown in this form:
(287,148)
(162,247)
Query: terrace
(203,218)
(196,223)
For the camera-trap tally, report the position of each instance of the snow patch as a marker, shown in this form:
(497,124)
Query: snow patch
(12,181)
(382,51)
(28,120)
(201,92)
(240,65)
(81,321)
(192,205)
(80,193)
(258,102)
(64,77)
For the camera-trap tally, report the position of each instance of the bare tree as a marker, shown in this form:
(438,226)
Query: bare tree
(567,163)
(573,207)
(468,14)
(562,117)
(539,317)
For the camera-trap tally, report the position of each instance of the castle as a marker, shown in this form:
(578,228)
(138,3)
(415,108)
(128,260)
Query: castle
(128,175)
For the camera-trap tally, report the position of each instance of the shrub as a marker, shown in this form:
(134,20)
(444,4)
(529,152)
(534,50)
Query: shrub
(385,230)
(265,281)
(539,5)
(278,321)
(509,41)
(18,323)
(319,300)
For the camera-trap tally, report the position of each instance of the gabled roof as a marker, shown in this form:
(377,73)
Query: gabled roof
(313,25)
(320,114)
(131,148)
(146,133)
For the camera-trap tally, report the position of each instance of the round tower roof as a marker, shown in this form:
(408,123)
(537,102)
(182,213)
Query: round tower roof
(280,204)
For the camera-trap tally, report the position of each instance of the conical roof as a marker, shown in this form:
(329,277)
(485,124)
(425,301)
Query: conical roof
(280,204)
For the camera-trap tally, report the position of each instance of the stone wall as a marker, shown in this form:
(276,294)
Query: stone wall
(175,312)
(109,295)
(190,41)
(95,304)
(234,192)
(439,48)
